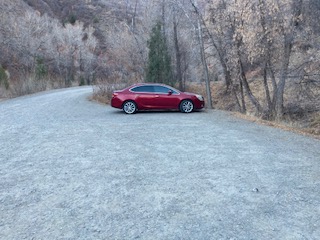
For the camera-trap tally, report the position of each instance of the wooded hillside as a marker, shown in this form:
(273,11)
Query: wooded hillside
(260,57)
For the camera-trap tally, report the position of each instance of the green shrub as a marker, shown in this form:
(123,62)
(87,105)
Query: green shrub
(4,78)
(82,81)
(96,20)
(72,19)
(41,68)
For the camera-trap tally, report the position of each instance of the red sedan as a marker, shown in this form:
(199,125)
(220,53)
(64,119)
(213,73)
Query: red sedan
(145,96)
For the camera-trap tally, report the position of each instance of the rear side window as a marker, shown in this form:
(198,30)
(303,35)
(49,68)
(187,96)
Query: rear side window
(162,89)
(143,89)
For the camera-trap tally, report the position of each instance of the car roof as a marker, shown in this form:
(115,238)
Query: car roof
(141,84)
(150,84)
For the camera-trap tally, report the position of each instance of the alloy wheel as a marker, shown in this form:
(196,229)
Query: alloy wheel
(129,107)
(186,106)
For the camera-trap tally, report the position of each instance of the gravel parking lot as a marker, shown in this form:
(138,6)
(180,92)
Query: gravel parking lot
(75,169)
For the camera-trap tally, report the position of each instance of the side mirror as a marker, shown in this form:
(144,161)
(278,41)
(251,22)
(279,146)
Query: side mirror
(169,92)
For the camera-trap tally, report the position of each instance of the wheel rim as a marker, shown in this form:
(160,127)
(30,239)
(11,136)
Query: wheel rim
(187,106)
(129,107)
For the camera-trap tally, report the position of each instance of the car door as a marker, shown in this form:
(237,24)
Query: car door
(166,98)
(144,96)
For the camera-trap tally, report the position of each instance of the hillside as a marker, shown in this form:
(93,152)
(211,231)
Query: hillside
(84,10)
(90,12)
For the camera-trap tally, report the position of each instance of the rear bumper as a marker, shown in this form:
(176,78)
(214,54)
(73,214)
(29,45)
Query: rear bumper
(116,102)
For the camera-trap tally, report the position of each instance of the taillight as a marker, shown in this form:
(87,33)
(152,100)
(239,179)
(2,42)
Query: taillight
(114,94)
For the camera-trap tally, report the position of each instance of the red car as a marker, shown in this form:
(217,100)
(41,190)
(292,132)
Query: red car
(145,96)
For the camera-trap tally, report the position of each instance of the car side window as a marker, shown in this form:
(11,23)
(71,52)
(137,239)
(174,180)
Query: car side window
(162,89)
(143,89)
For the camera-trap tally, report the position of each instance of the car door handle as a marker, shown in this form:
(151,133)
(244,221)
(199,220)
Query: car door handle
(157,96)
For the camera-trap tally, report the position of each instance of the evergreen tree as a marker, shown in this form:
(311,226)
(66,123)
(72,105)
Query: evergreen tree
(41,69)
(159,62)
(3,78)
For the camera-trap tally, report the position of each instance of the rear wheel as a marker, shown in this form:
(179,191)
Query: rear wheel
(129,107)
(186,106)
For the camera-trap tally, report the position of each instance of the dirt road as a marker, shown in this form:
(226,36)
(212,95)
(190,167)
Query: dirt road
(75,169)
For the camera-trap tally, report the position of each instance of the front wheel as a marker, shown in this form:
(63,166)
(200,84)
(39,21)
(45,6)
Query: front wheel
(129,107)
(186,106)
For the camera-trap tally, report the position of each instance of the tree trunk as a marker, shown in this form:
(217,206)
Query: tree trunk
(163,19)
(205,66)
(249,93)
(279,109)
(133,20)
(266,88)
(243,101)
(234,94)
(215,45)
(266,44)
(226,72)
(288,38)
(178,54)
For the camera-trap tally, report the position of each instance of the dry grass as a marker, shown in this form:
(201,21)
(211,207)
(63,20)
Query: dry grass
(220,98)
(309,131)
(102,92)
(302,115)
(3,94)
(30,84)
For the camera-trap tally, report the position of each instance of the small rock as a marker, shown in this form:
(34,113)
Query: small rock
(255,190)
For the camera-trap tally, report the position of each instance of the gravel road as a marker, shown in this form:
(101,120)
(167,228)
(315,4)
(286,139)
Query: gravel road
(75,169)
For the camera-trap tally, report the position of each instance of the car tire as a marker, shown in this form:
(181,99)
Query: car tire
(186,106)
(129,107)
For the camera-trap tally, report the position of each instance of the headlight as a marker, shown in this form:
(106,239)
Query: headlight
(200,97)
